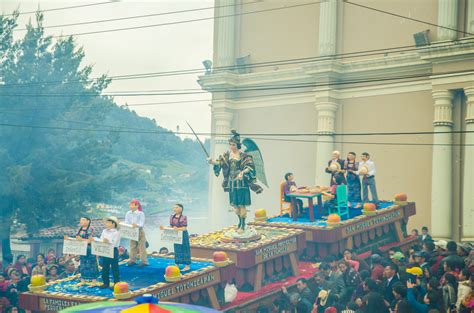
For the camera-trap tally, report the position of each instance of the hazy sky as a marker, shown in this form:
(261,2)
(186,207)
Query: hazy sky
(156,49)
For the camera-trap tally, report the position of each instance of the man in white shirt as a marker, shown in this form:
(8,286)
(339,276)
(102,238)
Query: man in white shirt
(368,180)
(136,218)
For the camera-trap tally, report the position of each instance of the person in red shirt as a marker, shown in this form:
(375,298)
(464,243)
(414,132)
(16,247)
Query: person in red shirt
(377,268)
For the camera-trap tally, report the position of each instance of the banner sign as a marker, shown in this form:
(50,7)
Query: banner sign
(172,236)
(75,247)
(102,249)
(129,232)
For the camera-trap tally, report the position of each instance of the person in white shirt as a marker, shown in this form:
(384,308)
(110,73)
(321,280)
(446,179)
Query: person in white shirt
(110,235)
(368,180)
(136,218)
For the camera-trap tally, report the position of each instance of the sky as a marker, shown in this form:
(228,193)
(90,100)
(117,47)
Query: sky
(146,50)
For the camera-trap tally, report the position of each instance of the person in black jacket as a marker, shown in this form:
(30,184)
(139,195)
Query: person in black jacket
(391,278)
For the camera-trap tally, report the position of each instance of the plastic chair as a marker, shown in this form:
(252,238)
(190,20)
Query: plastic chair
(285,207)
(342,206)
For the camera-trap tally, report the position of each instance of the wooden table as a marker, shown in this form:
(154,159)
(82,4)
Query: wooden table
(307,195)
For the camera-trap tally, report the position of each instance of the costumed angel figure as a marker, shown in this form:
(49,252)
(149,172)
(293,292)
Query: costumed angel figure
(241,170)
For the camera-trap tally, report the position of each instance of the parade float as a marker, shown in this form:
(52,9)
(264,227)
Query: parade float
(162,279)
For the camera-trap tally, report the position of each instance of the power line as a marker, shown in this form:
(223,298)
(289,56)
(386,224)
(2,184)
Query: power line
(271,139)
(70,7)
(141,16)
(357,54)
(184,21)
(142,130)
(408,18)
(253,88)
(210,100)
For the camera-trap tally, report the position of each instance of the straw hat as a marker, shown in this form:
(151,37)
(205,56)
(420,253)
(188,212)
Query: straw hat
(112,219)
(323,297)
(363,170)
(335,167)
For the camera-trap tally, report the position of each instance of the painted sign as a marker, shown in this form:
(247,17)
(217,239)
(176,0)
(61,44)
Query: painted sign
(129,232)
(187,286)
(274,250)
(172,236)
(56,305)
(377,220)
(102,249)
(75,247)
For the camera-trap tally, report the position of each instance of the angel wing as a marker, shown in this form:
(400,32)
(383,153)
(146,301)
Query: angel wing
(252,149)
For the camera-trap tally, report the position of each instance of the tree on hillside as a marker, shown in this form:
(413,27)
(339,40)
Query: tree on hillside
(50,172)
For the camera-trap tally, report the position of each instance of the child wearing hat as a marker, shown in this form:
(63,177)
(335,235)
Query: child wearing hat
(112,236)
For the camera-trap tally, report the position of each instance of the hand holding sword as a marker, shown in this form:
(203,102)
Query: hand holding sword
(208,158)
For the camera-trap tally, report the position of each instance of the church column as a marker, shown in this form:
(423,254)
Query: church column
(447,17)
(442,173)
(326,111)
(468,175)
(327,27)
(470,17)
(224,47)
(218,199)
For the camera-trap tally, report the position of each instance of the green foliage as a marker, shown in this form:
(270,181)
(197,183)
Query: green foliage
(50,176)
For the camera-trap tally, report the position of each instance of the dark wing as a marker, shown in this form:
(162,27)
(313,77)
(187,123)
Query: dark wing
(252,149)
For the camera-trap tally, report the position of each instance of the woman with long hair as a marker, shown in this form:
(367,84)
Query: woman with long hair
(88,263)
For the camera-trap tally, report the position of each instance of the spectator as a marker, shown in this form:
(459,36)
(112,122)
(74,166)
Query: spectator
(333,277)
(51,253)
(377,267)
(464,287)
(280,306)
(357,263)
(4,283)
(13,292)
(452,256)
(61,265)
(431,300)
(360,290)
(21,266)
(301,305)
(52,273)
(321,282)
(450,291)
(391,278)
(448,268)
(40,268)
(414,233)
(163,250)
(438,255)
(70,269)
(399,259)
(425,236)
(374,301)
(351,280)
(302,289)
(464,249)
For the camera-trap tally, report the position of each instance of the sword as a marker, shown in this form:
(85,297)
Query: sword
(200,142)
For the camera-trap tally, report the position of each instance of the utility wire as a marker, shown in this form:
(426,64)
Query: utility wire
(68,8)
(272,139)
(146,131)
(357,54)
(185,21)
(253,88)
(407,17)
(141,16)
